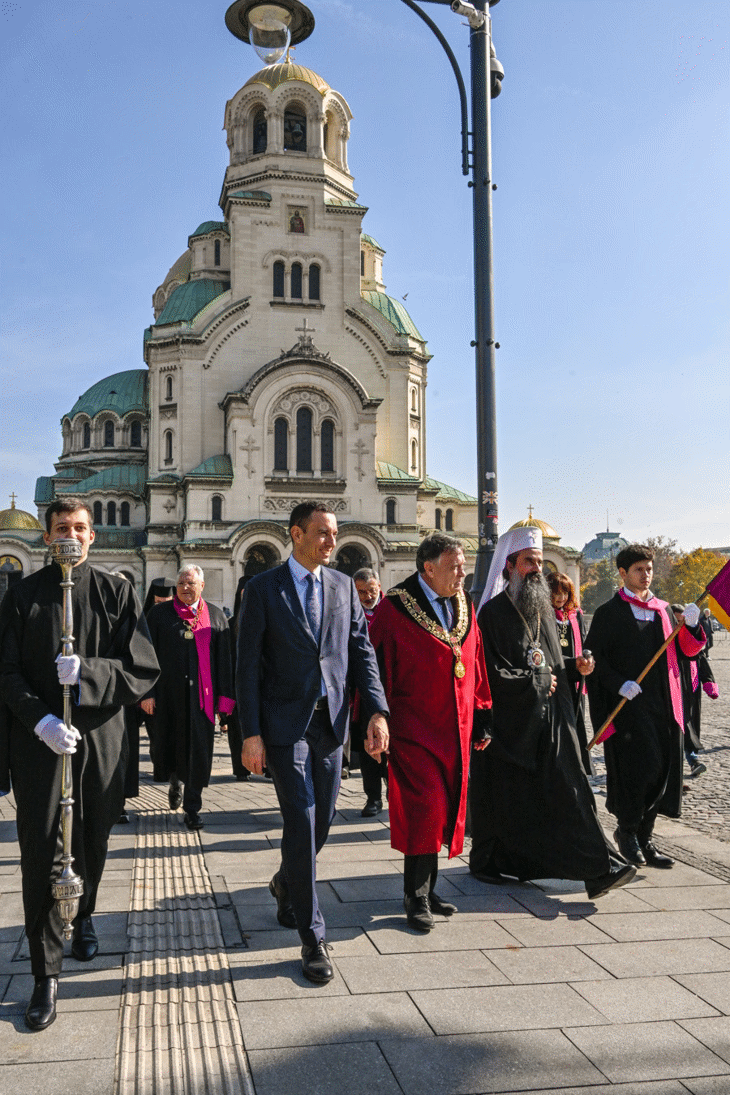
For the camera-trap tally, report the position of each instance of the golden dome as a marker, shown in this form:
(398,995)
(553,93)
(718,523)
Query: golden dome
(547,530)
(18,520)
(275,75)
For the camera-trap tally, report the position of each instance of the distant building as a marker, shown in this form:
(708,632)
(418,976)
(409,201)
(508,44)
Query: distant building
(604,545)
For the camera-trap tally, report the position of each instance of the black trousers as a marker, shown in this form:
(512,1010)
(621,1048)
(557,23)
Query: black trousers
(419,874)
(374,772)
(307,778)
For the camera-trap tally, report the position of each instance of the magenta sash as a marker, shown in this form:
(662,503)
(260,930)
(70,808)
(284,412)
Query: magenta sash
(202,632)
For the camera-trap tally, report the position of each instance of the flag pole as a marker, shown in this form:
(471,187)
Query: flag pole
(643,673)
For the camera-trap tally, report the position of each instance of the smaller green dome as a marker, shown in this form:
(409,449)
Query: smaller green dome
(120,392)
(187,300)
(210,226)
(393,311)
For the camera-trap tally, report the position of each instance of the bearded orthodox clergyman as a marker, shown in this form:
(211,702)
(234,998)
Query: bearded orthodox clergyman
(533,812)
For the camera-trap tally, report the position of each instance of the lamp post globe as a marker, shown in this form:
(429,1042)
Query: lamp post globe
(270,27)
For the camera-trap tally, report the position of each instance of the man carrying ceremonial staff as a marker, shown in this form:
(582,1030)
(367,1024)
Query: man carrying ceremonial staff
(113,665)
(430,656)
(643,744)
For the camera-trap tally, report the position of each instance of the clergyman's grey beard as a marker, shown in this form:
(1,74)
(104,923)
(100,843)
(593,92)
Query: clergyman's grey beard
(531,595)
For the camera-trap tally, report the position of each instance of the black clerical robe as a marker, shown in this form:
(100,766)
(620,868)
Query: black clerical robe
(644,757)
(118,667)
(182,736)
(533,812)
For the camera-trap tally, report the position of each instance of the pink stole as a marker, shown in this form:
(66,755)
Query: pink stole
(675,684)
(202,633)
(577,641)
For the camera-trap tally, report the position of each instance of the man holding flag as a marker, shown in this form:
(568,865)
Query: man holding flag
(643,743)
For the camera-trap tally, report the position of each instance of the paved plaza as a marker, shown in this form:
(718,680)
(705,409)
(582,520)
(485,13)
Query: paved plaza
(530,987)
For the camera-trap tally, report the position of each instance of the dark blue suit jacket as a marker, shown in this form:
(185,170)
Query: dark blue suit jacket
(280,668)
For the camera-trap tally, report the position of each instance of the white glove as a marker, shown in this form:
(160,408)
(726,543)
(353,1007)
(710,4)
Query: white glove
(57,735)
(630,690)
(692,615)
(69,668)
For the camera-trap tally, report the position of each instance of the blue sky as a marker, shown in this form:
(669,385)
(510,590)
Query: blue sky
(611,154)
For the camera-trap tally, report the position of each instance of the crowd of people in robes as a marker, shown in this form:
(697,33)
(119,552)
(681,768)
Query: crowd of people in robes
(446,705)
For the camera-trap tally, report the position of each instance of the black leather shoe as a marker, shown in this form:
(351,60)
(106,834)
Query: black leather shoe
(598,887)
(192,822)
(316,965)
(372,807)
(41,1010)
(85,945)
(628,844)
(123,818)
(174,796)
(442,908)
(284,910)
(418,913)
(655,858)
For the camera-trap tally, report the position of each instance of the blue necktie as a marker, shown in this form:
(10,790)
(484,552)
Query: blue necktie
(312,609)
(446,610)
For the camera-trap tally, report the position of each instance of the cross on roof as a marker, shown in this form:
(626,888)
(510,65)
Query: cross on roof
(305,328)
(13,496)
(529,512)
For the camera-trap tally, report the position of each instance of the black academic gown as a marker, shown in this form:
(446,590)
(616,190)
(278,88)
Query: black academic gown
(692,696)
(182,735)
(533,811)
(575,683)
(644,758)
(118,667)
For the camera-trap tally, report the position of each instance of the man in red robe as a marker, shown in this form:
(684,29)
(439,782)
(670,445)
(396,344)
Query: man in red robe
(430,654)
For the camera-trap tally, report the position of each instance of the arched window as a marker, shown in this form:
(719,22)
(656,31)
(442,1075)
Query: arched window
(313,282)
(168,388)
(124,514)
(216,508)
(87,436)
(281,445)
(111,513)
(438,518)
(328,445)
(97,513)
(278,279)
(414,455)
(135,435)
(295,128)
(390,511)
(304,439)
(296,281)
(449,520)
(414,400)
(109,434)
(352,558)
(216,252)
(168,446)
(260,132)
(362,264)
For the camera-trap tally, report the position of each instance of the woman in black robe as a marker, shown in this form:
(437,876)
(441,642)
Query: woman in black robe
(571,634)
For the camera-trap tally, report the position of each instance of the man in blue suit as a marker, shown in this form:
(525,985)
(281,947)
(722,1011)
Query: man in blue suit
(302,637)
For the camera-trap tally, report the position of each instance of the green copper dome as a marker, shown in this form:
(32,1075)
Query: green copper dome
(121,393)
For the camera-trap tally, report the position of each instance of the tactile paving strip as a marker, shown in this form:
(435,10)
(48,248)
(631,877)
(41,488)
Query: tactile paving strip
(179,1032)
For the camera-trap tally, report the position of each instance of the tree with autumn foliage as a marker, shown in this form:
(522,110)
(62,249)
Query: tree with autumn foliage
(666,557)
(601,582)
(691,573)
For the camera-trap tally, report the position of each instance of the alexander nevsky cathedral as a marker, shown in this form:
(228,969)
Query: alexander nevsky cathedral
(276,370)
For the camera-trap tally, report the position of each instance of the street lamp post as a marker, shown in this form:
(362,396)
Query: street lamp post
(271,27)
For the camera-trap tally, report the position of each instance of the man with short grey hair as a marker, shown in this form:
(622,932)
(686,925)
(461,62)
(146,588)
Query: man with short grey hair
(192,642)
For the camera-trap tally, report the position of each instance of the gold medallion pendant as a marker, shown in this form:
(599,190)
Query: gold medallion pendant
(189,635)
(459,669)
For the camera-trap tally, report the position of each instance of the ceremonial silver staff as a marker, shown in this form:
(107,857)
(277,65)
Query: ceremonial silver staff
(67,887)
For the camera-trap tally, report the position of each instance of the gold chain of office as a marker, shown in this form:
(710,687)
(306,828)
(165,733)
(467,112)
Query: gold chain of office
(452,638)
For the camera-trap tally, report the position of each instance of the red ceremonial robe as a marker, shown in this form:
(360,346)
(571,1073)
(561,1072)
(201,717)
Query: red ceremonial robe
(432,715)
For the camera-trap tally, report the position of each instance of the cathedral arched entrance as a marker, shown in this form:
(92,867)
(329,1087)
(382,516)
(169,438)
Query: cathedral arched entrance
(258,558)
(351,557)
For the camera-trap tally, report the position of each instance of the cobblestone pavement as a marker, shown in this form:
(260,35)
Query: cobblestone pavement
(706,804)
